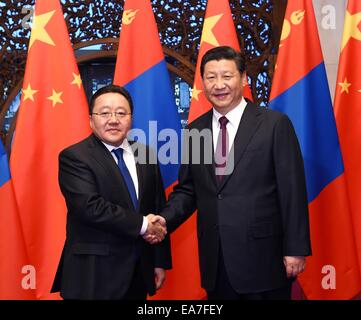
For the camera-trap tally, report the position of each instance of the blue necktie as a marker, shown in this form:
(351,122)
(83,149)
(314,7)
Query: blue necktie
(126,175)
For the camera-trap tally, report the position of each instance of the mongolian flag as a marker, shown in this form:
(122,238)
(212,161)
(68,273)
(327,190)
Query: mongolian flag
(142,69)
(15,281)
(300,90)
(53,114)
(348,112)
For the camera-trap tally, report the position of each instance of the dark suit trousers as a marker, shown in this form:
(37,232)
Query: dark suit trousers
(224,291)
(137,289)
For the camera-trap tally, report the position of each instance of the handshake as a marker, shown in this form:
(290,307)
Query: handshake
(156,230)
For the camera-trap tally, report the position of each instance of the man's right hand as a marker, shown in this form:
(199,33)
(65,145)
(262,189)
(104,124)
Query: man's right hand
(156,230)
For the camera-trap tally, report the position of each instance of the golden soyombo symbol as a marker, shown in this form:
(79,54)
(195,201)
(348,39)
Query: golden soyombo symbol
(296,19)
(129,16)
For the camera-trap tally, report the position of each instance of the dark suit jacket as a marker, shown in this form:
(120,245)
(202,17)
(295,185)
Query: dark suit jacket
(259,212)
(102,233)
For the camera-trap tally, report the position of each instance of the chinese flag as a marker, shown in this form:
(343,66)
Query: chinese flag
(348,112)
(53,114)
(218,30)
(14,283)
(300,90)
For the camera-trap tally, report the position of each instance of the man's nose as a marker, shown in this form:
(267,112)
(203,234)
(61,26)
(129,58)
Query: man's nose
(219,83)
(113,117)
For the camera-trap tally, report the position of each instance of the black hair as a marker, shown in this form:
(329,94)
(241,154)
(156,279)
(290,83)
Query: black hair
(109,89)
(226,53)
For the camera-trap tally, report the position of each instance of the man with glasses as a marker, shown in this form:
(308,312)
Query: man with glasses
(107,194)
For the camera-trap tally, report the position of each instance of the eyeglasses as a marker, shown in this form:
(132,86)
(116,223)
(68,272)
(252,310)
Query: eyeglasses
(108,115)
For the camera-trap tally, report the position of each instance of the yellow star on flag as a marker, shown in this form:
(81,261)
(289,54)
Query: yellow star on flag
(28,93)
(351,29)
(55,97)
(195,93)
(207,33)
(38,31)
(344,86)
(129,16)
(77,80)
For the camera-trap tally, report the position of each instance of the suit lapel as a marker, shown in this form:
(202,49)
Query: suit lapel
(247,127)
(209,167)
(104,158)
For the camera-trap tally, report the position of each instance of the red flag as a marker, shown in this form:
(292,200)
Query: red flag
(13,258)
(218,30)
(53,114)
(348,113)
(300,90)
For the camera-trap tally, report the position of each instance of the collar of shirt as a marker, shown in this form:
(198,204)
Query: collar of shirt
(129,160)
(234,116)
(124,145)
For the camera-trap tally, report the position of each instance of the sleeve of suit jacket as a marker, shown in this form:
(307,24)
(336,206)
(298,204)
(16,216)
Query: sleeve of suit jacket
(182,201)
(79,186)
(291,186)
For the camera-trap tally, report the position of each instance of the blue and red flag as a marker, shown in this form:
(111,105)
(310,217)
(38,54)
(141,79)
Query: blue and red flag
(142,69)
(13,256)
(300,90)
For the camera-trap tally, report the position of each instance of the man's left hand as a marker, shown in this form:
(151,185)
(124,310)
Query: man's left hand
(294,265)
(159,274)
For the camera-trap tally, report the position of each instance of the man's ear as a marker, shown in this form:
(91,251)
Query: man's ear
(244,79)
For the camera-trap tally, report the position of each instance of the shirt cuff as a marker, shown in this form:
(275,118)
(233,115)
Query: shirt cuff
(144,226)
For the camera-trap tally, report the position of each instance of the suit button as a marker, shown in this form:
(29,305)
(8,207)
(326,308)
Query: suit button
(220,197)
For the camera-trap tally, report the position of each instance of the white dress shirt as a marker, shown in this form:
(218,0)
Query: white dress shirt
(234,118)
(129,160)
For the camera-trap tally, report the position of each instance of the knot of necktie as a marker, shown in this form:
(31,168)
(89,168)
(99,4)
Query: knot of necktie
(223,122)
(118,153)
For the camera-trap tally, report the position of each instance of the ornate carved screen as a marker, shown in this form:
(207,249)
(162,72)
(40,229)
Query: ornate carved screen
(258,24)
